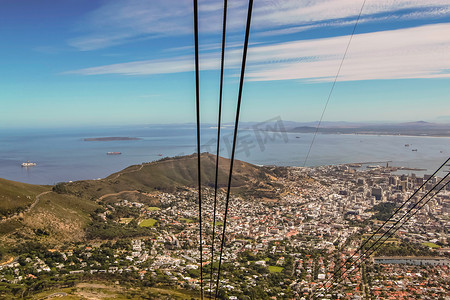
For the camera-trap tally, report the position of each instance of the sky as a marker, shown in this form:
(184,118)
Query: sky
(124,62)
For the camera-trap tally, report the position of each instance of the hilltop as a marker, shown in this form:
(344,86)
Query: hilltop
(63,213)
(169,175)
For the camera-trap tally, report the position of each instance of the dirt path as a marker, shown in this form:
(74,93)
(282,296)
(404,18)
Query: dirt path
(36,201)
(10,260)
(115,194)
(131,171)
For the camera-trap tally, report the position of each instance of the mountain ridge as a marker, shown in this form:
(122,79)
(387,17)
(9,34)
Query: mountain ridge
(419,128)
(64,212)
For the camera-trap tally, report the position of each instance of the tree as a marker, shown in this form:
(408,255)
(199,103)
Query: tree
(60,188)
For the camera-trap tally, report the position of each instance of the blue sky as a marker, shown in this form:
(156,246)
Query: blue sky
(87,62)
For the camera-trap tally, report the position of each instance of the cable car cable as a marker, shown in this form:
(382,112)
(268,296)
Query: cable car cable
(197,97)
(222,62)
(236,125)
(333,85)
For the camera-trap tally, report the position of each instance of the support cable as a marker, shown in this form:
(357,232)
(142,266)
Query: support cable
(387,221)
(236,125)
(197,97)
(334,83)
(219,121)
(412,215)
(364,256)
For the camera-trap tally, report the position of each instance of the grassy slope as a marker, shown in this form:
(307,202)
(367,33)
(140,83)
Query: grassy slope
(62,217)
(54,219)
(106,290)
(16,196)
(148,223)
(166,175)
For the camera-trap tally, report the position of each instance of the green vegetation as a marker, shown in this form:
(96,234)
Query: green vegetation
(275,269)
(148,223)
(431,245)
(185,220)
(383,210)
(10,226)
(153,208)
(404,249)
(108,229)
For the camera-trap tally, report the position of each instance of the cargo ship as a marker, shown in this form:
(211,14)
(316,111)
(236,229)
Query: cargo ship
(113,153)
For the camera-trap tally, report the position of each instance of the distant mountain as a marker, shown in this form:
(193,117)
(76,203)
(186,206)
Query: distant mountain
(419,128)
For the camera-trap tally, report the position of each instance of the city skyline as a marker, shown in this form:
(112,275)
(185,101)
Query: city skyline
(90,63)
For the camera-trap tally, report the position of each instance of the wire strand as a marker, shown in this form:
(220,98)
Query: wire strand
(379,239)
(236,125)
(222,62)
(197,97)
(387,221)
(412,215)
(333,277)
(334,83)
(364,256)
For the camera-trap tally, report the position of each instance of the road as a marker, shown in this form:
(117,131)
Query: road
(114,194)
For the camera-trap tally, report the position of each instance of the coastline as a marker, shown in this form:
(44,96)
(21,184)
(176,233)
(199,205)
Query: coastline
(64,156)
(369,134)
(403,135)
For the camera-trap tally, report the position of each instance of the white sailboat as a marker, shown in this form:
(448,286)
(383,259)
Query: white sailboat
(28,164)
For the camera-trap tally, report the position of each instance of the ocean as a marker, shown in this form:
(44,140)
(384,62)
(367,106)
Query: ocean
(64,155)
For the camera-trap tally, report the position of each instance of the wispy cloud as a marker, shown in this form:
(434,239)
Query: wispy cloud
(144,67)
(420,52)
(292,12)
(430,13)
(122,21)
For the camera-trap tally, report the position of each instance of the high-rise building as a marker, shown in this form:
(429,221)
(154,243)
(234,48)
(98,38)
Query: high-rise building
(377,192)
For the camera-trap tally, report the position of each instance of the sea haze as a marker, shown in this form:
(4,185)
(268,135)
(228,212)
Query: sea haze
(64,155)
